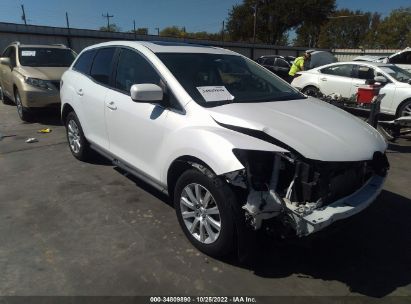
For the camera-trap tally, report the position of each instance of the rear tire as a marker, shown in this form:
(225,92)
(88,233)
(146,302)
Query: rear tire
(206,214)
(4,99)
(23,112)
(78,144)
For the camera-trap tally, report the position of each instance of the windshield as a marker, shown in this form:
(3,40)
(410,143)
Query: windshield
(214,79)
(397,73)
(46,57)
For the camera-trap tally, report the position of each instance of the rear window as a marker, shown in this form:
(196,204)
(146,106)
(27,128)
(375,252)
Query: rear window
(101,69)
(46,57)
(83,63)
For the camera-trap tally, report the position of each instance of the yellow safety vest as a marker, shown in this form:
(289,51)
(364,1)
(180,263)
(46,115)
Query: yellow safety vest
(297,66)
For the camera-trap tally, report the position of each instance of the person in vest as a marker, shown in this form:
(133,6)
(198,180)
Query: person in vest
(298,65)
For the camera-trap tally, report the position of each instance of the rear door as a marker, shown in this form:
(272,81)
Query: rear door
(91,86)
(336,79)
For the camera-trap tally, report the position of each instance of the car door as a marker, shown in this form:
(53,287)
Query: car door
(336,79)
(135,129)
(282,67)
(91,88)
(7,71)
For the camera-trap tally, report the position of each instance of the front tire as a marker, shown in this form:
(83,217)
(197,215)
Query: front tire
(405,109)
(78,143)
(23,112)
(311,91)
(203,205)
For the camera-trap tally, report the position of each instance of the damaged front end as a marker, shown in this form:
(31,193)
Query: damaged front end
(306,195)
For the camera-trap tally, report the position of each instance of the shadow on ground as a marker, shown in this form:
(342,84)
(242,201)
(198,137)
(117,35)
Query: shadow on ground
(370,253)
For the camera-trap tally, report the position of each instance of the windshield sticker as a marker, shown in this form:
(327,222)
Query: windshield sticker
(215,93)
(28,53)
(387,70)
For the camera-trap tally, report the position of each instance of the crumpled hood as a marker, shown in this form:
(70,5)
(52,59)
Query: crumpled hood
(45,73)
(313,128)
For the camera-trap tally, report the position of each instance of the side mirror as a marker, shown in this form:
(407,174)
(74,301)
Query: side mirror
(5,61)
(146,92)
(381,79)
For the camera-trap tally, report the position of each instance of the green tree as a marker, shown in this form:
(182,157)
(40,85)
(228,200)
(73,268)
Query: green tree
(345,29)
(113,28)
(274,18)
(140,31)
(395,30)
(172,31)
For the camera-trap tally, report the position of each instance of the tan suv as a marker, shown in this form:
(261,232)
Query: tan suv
(30,75)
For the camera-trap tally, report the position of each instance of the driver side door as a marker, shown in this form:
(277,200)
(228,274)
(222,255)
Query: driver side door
(135,129)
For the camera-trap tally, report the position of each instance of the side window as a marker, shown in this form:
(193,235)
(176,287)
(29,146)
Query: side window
(404,58)
(13,56)
(364,72)
(344,70)
(269,61)
(101,68)
(83,63)
(132,69)
(281,63)
(10,52)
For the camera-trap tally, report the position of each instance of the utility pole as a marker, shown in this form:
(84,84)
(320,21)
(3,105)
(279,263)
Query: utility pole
(134,28)
(108,20)
(222,32)
(68,31)
(23,16)
(67,22)
(255,21)
(158,30)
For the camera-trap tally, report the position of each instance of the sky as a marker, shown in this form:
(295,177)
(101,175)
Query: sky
(195,15)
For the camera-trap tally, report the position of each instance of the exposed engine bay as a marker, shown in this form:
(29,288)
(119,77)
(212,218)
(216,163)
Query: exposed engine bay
(307,195)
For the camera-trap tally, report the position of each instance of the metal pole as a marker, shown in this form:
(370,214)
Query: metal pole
(255,21)
(24,15)
(134,27)
(222,32)
(68,31)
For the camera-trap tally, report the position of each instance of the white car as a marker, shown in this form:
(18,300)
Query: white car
(401,59)
(344,78)
(234,146)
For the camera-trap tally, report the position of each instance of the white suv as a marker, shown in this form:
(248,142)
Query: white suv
(235,147)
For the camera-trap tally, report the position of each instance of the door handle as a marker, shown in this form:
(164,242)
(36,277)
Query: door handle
(80,92)
(323,79)
(111,105)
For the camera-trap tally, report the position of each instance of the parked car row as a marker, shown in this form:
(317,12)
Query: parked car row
(236,148)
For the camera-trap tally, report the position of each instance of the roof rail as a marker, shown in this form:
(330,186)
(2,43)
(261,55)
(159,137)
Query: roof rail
(16,42)
(59,44)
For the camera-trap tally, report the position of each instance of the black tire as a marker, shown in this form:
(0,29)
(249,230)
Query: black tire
(23,112)
(78,144)
(222,197)
(311,91)
(405,109)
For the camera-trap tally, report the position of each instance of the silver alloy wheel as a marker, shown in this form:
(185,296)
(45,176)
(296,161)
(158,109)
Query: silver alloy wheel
(406,111)
(19,105)
(200,213)
(73,133)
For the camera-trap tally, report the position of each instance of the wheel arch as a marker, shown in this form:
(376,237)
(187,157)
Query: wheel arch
(179,166)
(67,108)
(397,112)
